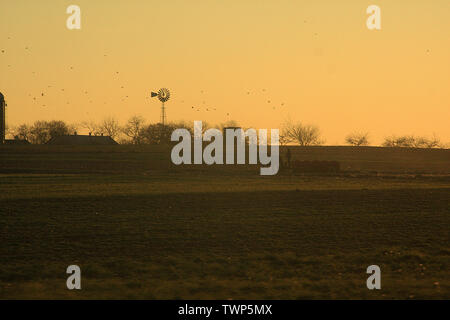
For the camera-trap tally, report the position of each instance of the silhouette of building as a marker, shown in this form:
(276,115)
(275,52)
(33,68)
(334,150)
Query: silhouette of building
(3,139)
(2,119)
(17,141)
(82,140)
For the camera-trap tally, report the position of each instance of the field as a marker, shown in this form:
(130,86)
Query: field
(141,228)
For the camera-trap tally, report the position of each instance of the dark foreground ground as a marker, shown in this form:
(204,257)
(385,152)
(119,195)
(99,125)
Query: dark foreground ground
(154,233)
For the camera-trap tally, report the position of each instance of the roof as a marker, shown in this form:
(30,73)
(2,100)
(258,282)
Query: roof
(82,140)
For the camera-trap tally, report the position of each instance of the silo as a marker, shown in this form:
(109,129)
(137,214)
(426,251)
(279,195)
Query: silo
(2,118)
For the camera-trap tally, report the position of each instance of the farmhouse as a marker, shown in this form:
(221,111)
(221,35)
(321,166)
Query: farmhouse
(82,140)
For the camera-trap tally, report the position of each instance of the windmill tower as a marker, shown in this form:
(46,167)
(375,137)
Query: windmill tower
(2,119)
(163,95)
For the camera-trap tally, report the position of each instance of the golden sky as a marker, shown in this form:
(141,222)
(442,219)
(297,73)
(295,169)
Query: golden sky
(258,62)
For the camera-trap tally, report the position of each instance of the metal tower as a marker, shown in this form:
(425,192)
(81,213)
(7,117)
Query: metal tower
(163,95)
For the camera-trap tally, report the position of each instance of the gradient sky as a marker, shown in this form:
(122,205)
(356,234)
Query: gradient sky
(244,58)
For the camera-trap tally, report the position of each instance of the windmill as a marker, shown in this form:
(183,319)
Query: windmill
(163,95)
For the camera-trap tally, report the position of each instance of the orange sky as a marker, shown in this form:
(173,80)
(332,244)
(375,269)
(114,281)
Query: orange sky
(242,58)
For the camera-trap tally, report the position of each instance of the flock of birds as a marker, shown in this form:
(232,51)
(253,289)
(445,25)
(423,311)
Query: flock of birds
(209,109)
(40,97)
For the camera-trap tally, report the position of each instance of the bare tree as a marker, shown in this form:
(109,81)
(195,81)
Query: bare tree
(42,131)
(92,127)
(157,133)
(434,142)
(133,129)
(186,125)
(58,128)
(404,142)
(410,141)
(39,132)
(228,124)
(110,126)
(358,139)
(283,140)
(304,135)
(23,132)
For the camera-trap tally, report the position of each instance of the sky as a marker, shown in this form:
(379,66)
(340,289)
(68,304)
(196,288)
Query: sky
(258,62)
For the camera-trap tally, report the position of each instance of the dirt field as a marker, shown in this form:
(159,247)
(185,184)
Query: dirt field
(140,228)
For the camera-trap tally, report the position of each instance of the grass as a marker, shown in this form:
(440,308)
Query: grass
(215,234)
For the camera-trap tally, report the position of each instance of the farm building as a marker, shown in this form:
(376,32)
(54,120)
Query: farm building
(2,118)
(16,141)
(82,140)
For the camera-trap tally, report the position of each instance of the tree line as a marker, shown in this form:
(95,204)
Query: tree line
(137,131)
(310,135)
